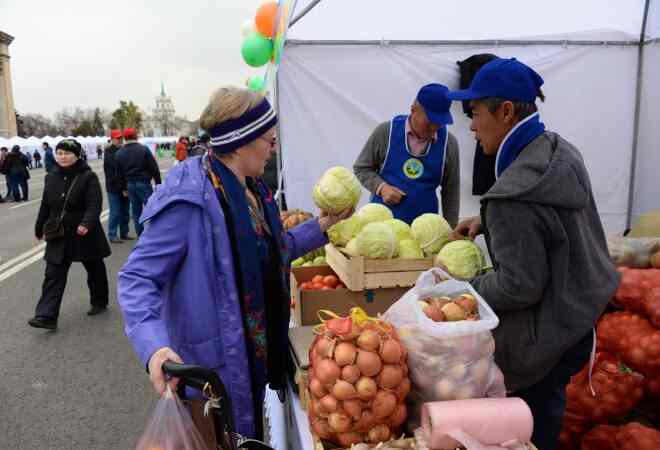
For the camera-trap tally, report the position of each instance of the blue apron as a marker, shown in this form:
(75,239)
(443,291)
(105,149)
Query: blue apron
(417,176)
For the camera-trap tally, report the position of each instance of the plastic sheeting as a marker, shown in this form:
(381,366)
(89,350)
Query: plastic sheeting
(653,21)
(332,97)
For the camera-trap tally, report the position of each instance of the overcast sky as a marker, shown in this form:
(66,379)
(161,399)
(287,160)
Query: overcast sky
(92,53)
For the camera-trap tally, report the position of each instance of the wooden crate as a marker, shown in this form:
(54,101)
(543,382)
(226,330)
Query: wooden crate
(359,273)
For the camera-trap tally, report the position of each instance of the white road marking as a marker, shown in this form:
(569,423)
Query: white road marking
(22,204)
(31,256)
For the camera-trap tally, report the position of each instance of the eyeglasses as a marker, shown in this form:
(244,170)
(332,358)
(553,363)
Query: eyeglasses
(272,142)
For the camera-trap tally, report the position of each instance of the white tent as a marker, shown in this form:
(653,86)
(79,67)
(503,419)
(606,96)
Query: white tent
(349,65)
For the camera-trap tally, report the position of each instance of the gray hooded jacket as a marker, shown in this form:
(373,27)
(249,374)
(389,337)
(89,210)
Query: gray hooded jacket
(553,276)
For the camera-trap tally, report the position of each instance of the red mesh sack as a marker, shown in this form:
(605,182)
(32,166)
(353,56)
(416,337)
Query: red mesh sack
(616,390)
(573,427)
(633,338)
(602,437)
(635,436)
(639,291)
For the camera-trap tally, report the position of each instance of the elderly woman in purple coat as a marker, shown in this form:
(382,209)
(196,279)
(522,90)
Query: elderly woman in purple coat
(207,283)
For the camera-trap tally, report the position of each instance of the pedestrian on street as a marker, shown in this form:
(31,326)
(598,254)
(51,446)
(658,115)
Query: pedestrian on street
(181,150)
(37,159)
(137,167)
(69,221)
(28,155)
(49,157)
(207,282)
(117,191)
(4,151)
(99,152)
(16,165)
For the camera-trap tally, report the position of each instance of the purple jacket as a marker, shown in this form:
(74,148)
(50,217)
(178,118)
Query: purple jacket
(178,288)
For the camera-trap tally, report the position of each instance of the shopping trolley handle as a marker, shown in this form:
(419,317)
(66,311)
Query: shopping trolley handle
(197,377)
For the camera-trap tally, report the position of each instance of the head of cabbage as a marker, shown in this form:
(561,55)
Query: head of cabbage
(337,190)
(377,241)
(351,248)
(463,259)
(431,231)
(410,249)
(400,228)
(374,212)
(343,231)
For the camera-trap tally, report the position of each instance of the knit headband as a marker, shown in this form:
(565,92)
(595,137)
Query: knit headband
(231,134)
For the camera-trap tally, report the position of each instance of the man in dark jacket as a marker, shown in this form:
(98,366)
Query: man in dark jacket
(553,276)
(137,168)
(37,159)
(116,188)
(49,157)
(16,166)
(4,151)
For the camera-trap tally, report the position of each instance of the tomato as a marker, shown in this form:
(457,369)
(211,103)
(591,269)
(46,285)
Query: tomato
(305,285)
(340,286)
(327,288)
(317,286)
(317,279)
(330,281)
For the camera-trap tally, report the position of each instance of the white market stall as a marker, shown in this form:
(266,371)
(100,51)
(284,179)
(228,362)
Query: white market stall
(349,65)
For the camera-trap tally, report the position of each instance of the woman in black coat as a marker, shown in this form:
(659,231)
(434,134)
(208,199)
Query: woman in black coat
(83,238)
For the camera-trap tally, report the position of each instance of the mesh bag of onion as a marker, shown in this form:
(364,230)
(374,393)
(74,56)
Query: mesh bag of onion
(358,380)
(447,360)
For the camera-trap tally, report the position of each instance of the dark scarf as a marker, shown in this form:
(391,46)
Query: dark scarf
(272,288)
(515,142)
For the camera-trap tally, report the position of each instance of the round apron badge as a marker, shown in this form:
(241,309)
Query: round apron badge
(413,168)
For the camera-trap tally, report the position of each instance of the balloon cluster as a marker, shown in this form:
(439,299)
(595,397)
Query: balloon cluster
(258,47)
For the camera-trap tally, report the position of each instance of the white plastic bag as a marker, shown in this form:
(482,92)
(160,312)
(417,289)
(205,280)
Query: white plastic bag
(632,252)
(447,360)
(171,427)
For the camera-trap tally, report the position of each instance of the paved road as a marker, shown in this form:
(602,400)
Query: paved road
(81,387)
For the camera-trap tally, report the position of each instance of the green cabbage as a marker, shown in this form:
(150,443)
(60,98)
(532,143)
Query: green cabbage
(410,249)
(351,248)
(377,240)
(337,190)
(431,231)
(374,212)
(400,228)
(463,259)
(342,232)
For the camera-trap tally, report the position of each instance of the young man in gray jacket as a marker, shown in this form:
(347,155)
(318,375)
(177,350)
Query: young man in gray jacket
(553,276)
(406,159)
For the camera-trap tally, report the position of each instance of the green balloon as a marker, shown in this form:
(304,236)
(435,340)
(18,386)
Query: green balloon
(257,50)
(256,83)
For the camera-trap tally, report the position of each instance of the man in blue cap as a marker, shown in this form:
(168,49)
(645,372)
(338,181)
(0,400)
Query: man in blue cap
(406,159)
(553,276)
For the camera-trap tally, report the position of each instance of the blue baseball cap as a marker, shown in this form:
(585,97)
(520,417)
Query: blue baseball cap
(436,104)
(504,78)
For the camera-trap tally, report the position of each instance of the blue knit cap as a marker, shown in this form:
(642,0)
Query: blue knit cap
(232,134)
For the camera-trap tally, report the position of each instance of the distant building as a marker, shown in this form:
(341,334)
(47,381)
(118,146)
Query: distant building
(161,122)
(7,111)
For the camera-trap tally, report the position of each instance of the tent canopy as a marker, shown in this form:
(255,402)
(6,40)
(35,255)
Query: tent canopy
(351,65)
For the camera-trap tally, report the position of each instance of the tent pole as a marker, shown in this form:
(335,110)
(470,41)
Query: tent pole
(302,13)
(638,97)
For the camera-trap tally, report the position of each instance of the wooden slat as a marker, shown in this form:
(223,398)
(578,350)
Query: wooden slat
(390,279)
(397,265)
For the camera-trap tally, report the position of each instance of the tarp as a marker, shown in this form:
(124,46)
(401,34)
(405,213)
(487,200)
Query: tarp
(333,91)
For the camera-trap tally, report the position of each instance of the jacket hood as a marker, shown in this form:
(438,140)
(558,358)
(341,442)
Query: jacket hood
(548,171)
(185,182)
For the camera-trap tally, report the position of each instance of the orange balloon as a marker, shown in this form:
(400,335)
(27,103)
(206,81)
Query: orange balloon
(265,19)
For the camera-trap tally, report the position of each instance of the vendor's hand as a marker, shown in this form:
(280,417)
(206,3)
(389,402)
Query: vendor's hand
(82,230)
(326,219)
(156,374)
(391,195)
(470,228)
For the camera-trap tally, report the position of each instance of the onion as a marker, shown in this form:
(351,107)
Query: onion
(468,303)
(366,388)
(343,390)
(369,340)
(369,363)
(322,428)
(399,416)
(316,388)
(324,347)
(453,312)
(390,377)
(403,389)
(327,371)
(353,408)
(434,313)
(329,404)
(345,354)
(339,422)
(379,433)
(445,389)
(457,372)
(390,351)
(348,439)
(353,334)
(383,404)
(366,422)
(350,373)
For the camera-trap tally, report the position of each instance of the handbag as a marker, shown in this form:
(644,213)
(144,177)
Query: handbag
(54,228)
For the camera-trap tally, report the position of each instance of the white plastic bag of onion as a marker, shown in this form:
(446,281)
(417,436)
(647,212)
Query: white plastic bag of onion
(358,380)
